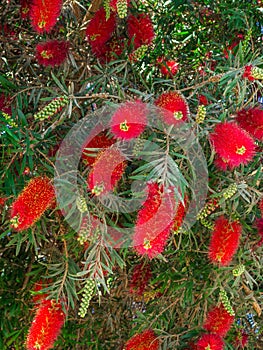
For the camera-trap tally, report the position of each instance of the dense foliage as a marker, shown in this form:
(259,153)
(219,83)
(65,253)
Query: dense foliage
(187,76)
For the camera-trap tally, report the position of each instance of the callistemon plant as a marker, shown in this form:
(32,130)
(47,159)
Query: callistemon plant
(131,197)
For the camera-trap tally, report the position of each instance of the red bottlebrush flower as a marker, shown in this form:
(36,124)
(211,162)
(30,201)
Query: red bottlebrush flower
(230,47)
(32,202)
(129,120)
(38,297)
(203,100)
(2,200)
(224,241)
(168,68)
(140,30)
(154,222)
(218,321)
(107,171)
(146,340)
(140,277)
(100,141)
(5,101)
(259,225)
(115,48)
(251,120)
(232,144)
(175,103)
(46,326)
(248,73)
(261,206)
(241,340)
(8,31)
(52,53)
(180,214)
(25,8)
(100,30)
(210,342)
(44,14)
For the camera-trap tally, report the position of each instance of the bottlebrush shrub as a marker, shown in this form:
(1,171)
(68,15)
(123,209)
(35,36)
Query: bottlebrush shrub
(251,120)
(140,30)
(233,145)
(52,53)
(129,120)
(141,275)
(218,321)
(210,342)
(224,241)
(154,221)
(100,141)
(46,326)
(107,171)
(31,203)
(99,30)
(174,102)
(146,340)
(44,14)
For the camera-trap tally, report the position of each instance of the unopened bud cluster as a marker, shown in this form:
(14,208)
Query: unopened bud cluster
(138,53)
(138,146)
(52,108)
(98,189)
(257,73)
(208,209)
(238,270)
(201,114)
(9,120)
(87,296)
(81,204)
(207,224)
(225,301)
(247,39)
(83,235)
(122,8)
(230,191)
(106,5)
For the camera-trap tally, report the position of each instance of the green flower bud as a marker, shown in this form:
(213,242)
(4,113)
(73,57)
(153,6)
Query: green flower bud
(225,301)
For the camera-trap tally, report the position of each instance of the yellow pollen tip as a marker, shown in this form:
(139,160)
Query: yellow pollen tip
(124,126)
(147,244)
(178,115)
(241,150)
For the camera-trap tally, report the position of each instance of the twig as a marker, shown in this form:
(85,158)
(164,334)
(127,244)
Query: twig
(62,231)
(95,5)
